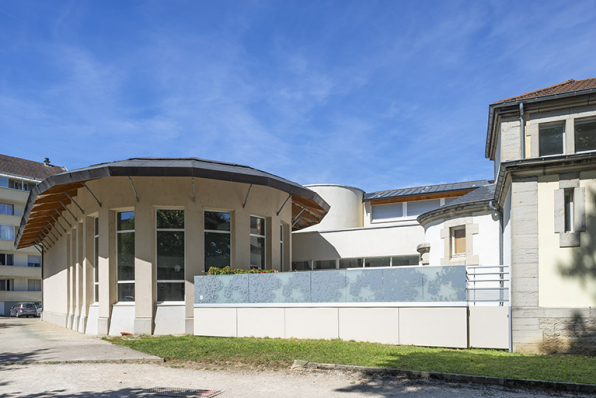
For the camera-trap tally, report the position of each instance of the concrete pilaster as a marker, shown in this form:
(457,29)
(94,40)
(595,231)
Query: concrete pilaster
(107,269)
(145,283)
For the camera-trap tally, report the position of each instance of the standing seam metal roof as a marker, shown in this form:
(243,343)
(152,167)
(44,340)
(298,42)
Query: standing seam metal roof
(428,189)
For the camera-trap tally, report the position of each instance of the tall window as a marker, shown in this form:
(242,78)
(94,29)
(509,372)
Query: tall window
(96,259)
(170,255)
(585,135)
(551,138)
(7,232)
(34,261)
(569,210)
(125,231)
(281,247)
(7,209)
(217,239)
(6,259)
(6,285)
(257,242)
(458,242)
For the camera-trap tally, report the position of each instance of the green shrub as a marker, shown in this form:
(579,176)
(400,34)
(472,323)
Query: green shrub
(227,270)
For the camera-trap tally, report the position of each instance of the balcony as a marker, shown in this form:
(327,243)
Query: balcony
(13,195)
(20,296)
(19,272)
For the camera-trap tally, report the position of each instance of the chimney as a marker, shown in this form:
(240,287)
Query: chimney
(46,161)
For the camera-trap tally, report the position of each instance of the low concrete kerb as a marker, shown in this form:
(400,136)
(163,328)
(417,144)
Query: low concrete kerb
(459,378)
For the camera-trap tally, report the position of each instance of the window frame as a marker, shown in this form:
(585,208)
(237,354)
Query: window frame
(230,232)
(581,120)
(118,281)
(6,206)
(453,238)
(264,236)
(163,281)
(563,137)
(569,210)
(5,262)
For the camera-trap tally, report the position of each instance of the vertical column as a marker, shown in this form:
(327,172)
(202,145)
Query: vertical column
(68,279)
(241,238)
(78,276)
(71,276)
(273,246)
(107,270)
(524,267)
(194,258)
(88,253)
(144,268)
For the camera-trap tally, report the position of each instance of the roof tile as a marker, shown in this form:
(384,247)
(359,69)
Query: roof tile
(561,88)
(27,168)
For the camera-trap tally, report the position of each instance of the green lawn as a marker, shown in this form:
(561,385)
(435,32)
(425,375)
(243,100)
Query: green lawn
(277,353)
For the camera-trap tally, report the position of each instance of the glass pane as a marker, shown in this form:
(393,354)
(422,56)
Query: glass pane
(34,261)
(585,135)
(350,263)
(96,294)
(257,252)
(387,212)
(377,262)
(126,256)
(551,139)
(217,221)
(257,225)
(404,260)
(96,228)
(459,236)
(217,250)
(170,255)
(126,292)
(96,264)
(7,232)
(324,264)
(173,219)
(300,266)
(170,292)
(126,221)
(3,182)
(422,206)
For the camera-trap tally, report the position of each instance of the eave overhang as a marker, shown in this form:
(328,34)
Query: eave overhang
(52,195)
(512,107)
(540,166)
(450,211)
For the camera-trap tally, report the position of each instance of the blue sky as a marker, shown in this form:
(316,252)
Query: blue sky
(377,95)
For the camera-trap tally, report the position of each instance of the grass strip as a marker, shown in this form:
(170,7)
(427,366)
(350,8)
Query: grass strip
(278,353)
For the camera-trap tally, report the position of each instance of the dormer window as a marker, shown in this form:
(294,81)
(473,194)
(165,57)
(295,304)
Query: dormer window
(551,139)
(585,135)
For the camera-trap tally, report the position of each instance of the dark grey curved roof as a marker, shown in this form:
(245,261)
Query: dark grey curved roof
(302,197)
(423,190)
(481,195)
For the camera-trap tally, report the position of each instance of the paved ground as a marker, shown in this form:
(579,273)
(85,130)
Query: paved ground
(34,341)
(31,340)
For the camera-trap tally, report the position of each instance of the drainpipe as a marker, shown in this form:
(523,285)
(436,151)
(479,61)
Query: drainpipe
(522,130)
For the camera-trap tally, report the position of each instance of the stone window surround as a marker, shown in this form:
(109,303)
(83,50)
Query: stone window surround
(570,239)
(471,230)
(533,127)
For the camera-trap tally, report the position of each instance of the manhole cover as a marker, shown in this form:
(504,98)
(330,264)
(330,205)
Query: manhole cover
(183,392)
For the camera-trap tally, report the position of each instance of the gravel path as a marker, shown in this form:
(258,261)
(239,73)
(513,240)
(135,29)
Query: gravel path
(135,380)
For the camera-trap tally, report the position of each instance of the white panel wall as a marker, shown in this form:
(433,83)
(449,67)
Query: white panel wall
(434,327)
(489,327)
(169,319)
(123,317)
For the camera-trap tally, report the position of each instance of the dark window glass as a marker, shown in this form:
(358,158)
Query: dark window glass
(377,262)
(257,252)
(217,221)
(324,264)
(126,256)
(350,263)
(126,221)
(257,226)
(170,255)
(300,266)
(551,139)
(170,292)
(217,250)
(126,292)
(170,219)
(404,260)
(585,135)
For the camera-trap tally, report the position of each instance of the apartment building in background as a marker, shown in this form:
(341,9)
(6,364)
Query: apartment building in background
(20,270)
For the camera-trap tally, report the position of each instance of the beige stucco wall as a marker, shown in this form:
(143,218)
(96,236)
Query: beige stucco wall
(565,278)
(69,269)
(361,242)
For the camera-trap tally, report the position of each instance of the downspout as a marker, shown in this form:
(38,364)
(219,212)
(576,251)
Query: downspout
(522,130)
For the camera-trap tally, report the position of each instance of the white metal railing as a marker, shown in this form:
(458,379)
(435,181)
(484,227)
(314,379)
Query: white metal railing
(488,284)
